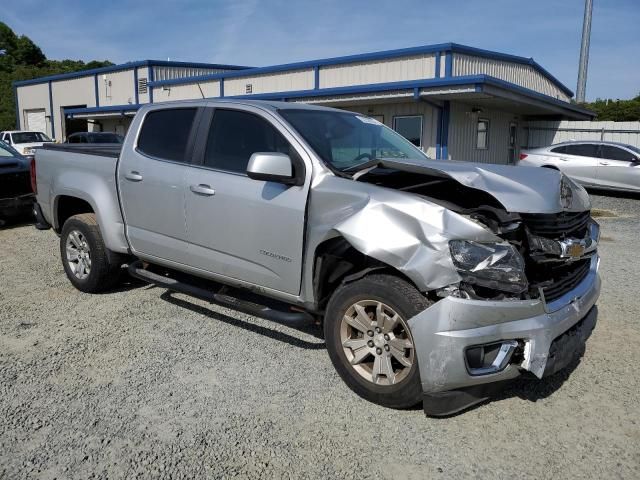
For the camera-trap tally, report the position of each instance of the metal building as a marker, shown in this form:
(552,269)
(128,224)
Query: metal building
(452,100)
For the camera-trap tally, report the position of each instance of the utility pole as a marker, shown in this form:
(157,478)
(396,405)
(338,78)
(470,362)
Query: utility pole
(584,52)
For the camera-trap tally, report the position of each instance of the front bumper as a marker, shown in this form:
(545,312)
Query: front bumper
(444,331)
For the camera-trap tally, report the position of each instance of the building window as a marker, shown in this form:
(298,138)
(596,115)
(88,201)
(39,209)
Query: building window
(482,134)
(410,127)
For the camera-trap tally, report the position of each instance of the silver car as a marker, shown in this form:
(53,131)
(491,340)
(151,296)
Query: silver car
(610,165)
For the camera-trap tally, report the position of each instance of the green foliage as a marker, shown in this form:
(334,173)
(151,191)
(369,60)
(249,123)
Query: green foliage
(21,59)
(616,110)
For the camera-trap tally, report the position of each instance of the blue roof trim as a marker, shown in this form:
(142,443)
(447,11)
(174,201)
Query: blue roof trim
(125,66)
(476,82)
(440,48)
(240,71)
(456,47)
(110,108)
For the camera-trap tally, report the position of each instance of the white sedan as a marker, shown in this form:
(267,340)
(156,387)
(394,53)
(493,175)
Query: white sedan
(608,165)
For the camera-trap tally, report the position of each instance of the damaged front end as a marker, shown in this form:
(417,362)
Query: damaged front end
(514,288)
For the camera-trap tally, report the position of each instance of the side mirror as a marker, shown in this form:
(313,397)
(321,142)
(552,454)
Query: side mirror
(271,167)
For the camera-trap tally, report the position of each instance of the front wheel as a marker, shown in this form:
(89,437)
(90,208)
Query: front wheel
(369,340)
(89,265)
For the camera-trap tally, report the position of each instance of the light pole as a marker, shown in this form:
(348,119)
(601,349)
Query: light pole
(584,52)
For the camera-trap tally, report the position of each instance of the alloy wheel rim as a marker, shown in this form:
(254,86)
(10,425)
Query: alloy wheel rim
(78,254)
(377,342)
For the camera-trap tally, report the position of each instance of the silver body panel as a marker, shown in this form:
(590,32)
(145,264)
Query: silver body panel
(264,236)
(600,171)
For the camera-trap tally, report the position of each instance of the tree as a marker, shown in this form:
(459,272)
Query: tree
(616,110)
(21,59)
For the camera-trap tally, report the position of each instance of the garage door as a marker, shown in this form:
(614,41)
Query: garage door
(36,120)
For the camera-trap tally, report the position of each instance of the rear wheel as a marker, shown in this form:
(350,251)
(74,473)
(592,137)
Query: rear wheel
(369,340)
(89,265)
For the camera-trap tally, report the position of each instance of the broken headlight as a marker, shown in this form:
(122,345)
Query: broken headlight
(493,265)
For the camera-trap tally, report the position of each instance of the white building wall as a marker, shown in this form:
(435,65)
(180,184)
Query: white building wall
(390,110)
(463,134)
(271,82)
(379,71)
(68,93)
(34,97)
(186,92)
(520,74)
(121,91)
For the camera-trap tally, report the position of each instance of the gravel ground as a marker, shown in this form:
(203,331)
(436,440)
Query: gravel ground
(140,383)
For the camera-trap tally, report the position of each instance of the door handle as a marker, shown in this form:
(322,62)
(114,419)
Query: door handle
(604,163)
(203,189)
(133,176)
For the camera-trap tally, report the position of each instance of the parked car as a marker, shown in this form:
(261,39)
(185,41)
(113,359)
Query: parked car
(94,137)
(25,142)
(608,165)
(16,194)
(433,280)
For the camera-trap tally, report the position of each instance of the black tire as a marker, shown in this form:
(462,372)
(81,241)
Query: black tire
(404,299)
(105,265)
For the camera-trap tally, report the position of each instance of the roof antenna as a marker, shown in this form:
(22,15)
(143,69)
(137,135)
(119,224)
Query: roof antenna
(200,88)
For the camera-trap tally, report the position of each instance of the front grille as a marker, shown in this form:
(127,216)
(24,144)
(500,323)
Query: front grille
(558,277)
(565,278)
(14,184)
(558,225)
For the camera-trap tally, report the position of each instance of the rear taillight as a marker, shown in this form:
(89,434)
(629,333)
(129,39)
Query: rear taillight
(34,184)
(523,156)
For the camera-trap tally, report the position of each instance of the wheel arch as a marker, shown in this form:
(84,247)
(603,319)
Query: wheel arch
(336,262)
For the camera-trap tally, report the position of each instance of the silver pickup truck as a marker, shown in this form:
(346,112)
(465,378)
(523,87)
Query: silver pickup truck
(434,281)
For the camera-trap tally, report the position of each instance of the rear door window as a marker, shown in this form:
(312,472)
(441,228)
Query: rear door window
(583,150)
(562,149)
(165,133)
(610,152)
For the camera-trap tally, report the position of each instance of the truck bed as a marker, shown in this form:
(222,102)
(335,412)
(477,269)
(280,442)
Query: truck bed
(81,172)
(98,149)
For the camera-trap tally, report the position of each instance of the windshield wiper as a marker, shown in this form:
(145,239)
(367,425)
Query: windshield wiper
(374,162)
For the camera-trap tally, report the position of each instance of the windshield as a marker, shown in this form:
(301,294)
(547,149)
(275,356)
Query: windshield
(29,137)
(345,140)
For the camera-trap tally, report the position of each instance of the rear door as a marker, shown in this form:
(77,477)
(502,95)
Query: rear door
(151,179)
(248,230)
(579,161)
(618,168)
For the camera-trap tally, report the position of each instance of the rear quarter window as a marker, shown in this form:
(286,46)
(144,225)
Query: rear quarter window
(165,133)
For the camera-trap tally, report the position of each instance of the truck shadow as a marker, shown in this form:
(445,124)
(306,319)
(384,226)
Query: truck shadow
(312,330)
(8,223)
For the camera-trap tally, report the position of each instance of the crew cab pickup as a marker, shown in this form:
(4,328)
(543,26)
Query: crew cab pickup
(434,281)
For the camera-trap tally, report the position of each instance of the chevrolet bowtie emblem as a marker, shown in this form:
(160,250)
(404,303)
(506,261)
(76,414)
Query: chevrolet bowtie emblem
(575,250)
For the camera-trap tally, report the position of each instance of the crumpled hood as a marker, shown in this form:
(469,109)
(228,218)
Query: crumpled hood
(518,189)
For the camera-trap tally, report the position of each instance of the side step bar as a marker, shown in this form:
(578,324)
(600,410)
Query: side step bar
(137,270)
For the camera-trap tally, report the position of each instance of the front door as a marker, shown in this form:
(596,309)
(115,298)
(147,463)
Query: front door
(248,230)
(618,168)
(151,178)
